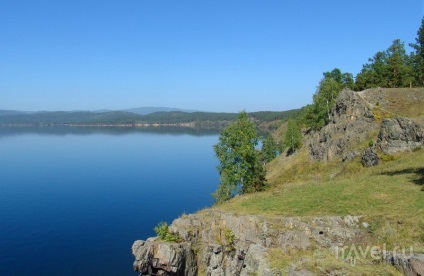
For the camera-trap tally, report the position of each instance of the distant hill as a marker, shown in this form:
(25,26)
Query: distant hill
(110,118)
(149,110)
(11,112)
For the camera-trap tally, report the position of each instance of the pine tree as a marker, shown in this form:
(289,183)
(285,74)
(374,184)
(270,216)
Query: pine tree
(417,58)
(400,74)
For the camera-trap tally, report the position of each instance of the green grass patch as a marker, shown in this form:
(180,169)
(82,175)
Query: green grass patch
(393,188)
(391,192)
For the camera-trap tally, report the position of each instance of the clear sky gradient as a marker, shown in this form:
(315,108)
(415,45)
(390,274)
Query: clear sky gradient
(212,55)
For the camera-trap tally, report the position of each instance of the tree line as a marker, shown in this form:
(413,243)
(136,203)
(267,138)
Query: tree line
(392,68)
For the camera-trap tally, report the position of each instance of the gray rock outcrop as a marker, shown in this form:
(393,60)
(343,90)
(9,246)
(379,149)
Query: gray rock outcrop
(352,123)
(409,265)
(253,236)
(162,258)
(370,157)
(399,134)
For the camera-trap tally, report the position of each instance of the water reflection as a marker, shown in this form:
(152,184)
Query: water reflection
(64,130)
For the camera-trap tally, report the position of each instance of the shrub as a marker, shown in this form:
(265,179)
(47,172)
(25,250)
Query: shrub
(162,230)
(230,239)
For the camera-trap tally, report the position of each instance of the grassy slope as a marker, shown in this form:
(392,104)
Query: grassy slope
(390,197)
(301,187)
(391,189)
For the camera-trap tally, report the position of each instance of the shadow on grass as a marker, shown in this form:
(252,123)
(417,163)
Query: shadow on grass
(419,175)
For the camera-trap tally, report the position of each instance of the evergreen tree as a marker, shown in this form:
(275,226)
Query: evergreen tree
(417,58)
(373,74)
(400,74)
(348,81)
(391,68)
(239,165)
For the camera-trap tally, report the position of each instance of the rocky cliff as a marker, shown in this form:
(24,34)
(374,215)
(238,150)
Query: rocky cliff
(354,127)
(217,243)
(226,244)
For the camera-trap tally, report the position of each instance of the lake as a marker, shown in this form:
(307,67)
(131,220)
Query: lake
(73,200)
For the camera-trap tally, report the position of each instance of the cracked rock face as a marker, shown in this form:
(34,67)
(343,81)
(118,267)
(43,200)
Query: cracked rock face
(352,122)
(162,258)
(399,134)
(253,236)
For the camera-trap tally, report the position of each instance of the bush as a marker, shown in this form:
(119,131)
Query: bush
(230,239)
(162,230)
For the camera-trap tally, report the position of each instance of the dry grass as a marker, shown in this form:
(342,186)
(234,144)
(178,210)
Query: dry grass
(323,262)
(406,102)
(280,133)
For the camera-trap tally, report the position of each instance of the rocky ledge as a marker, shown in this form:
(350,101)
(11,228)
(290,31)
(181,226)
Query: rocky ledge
(353,124)
(219,243)
(161,258)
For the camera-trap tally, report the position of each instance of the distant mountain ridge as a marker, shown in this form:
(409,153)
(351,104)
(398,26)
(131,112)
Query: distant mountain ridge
(138,110)
(125,118)
(149,110)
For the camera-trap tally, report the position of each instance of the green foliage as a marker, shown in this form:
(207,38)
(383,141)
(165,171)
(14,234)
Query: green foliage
(230,239)
(239,165)
(417,58)
(293,139)
(269,149)
(371,143)
(318,114)
(391,68)
(162,230)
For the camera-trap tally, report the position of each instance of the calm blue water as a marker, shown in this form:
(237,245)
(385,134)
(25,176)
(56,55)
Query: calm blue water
(72,201)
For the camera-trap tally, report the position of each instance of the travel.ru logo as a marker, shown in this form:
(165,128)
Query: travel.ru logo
(355,252)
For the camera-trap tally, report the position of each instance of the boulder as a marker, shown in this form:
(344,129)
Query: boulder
(370,157)
(399,134)
(409,265)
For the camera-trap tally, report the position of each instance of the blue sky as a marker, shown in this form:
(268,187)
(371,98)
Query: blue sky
(212,55)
